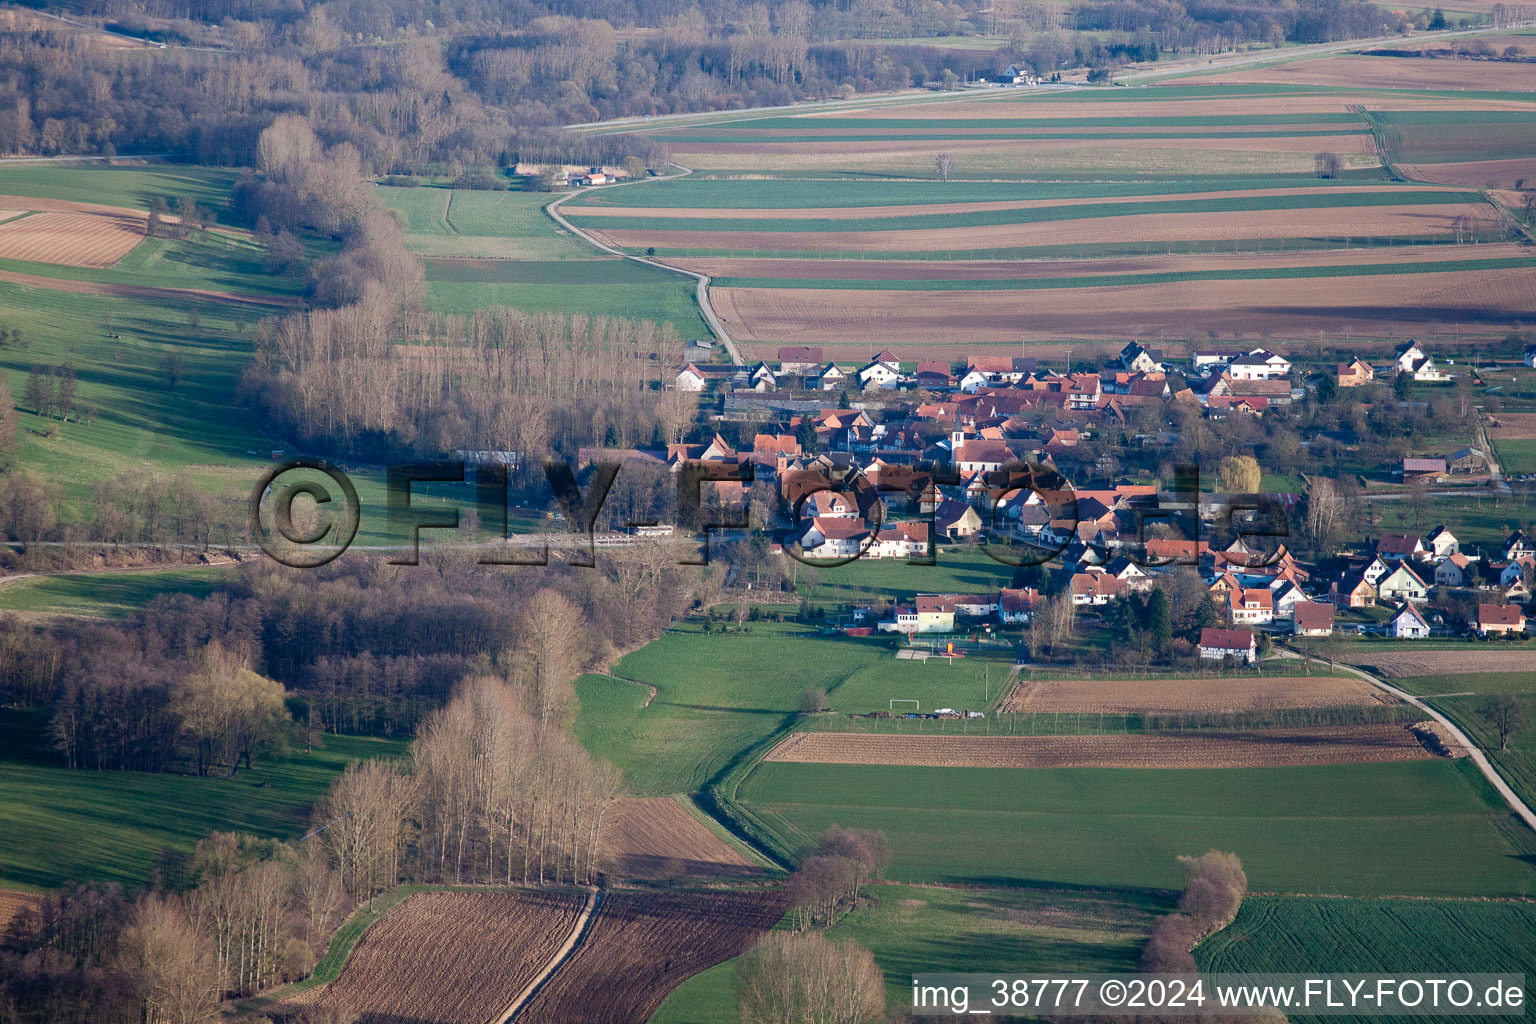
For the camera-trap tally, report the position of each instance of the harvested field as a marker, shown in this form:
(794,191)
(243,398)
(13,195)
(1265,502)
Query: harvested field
(1514,426)
(1093,106)
(1247,693)
(1475,173)
(920,209)
(71,239)
(1393,664)
(1414,220)
(11,202)
(641,946)
(13,902)
(1213,749)
(1006,270)
(1355,71)
(1391,305)
(451,956)
(1086,145)
(657,837)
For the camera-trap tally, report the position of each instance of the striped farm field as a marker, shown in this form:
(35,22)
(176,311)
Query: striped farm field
(1409,304)
(71,239)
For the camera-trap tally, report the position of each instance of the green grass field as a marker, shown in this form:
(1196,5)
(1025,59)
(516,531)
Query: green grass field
(106,594)
(1370,829)
(913,929)
(133,187)
(1297,935)
(1516,456)
(58,825)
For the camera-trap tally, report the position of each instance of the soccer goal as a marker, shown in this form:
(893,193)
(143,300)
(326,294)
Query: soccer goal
(916,705)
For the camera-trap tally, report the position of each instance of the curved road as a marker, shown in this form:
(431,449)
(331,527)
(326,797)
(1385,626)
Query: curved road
(1519,806)
(553,209)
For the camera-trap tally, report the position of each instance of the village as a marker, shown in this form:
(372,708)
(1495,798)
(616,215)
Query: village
(924,458)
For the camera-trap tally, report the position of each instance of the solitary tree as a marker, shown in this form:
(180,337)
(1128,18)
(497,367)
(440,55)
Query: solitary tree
(1328,165)
(1239,474)
(171,369)
(1505,714)
(943,165)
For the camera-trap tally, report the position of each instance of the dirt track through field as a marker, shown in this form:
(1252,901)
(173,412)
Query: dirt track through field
(657,837)
(1203,749)
(1248,693)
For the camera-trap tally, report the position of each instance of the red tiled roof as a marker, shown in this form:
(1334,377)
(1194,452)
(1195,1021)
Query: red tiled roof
(1226,639)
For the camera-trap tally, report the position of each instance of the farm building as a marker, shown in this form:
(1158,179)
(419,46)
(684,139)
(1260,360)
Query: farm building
(1221,644)
(954,519)
(1499,619)
(1312,618)
(1466,460)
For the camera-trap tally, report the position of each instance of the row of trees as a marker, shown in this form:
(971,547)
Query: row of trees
(491,794)
(243,915)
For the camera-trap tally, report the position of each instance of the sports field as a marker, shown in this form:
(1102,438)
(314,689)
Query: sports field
(1186,211)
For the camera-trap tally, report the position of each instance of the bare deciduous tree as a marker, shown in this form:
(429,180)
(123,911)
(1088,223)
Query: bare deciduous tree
(798,977)
(943,165)
(173,965)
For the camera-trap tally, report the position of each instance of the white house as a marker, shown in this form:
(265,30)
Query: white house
(1517,570)
(1374,572)
(828,378)
(1530,355)
(878,375)
(1408,624)
(972,380)
(1403,584)
(690,378)
(1287,595)
(1411,359)
(1259,364)
(835,538)
(899,540)
(1016,607)
(1250,607)
(1312,618)
(1453,571)
(1137,359)
(1442,543)
(1221,644)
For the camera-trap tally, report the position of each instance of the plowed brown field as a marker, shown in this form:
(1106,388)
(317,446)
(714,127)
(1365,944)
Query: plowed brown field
(1246,693)
(12,903)
(451,956)
(1444,662)
(1515,426)
(1353,71)
(1476,173)
(71,239)
(1085,144)
(943,322)
(1212,749)
(640,946)
(651,836)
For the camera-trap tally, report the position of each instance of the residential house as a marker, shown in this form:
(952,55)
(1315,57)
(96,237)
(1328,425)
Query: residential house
(1403,584)
(1094,588)
(933,373)
(1259,365)
(936,612)
(1205,361)
(899,540)
(1374,572)
(1250,607)
(1408,624)
(1517,544)
(799,359)
(954,519)
(1355,374)
(690,378)
(978,455)
(1499,619)
(1222,644)
(1412,360)
(1140,360)
(763,378)
(1453,571)
(1530,356)
(828,378)
(1286,596)
(1518,570)
(1312,618)
(878,374)
(1441,543)
(835,537)
(1017,607)
(1394,547)
(1354,592)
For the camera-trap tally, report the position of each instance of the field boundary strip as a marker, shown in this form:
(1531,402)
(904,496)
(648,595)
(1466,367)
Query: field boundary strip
(572,941)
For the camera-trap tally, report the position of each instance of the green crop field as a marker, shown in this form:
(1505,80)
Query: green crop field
(1369,829)
(1297,935)
(57,825)
(717,695)
(1516,456)
(913,929)
(133,187)
(106,594)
